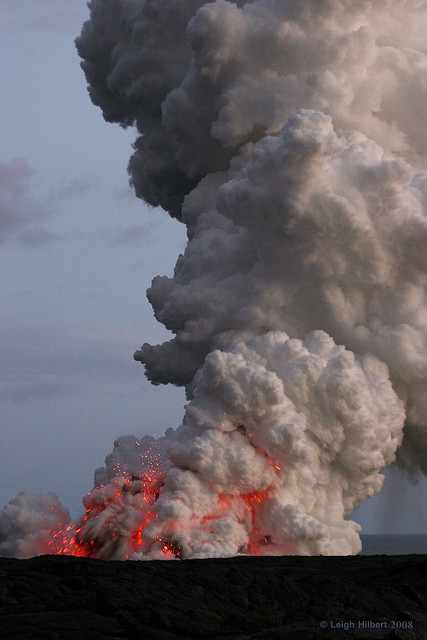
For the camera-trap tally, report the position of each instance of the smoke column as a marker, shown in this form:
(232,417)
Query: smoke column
(290,137)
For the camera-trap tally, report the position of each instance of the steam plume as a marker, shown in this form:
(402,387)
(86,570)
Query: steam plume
(290,137)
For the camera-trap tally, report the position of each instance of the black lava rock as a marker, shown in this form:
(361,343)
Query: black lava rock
(240,598)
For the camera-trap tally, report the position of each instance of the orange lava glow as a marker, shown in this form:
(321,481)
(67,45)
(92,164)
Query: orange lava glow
(118,513)
(170,548)
(141,493)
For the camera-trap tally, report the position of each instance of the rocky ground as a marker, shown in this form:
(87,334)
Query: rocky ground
(300,598)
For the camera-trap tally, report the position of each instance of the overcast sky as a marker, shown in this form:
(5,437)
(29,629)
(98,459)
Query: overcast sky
(77,252)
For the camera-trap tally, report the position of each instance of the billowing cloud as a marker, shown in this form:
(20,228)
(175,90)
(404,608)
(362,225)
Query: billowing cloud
(290,139)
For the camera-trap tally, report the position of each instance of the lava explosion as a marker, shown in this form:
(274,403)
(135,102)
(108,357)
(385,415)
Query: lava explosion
(290,137)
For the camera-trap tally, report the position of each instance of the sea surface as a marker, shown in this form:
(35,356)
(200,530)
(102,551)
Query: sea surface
(393,545)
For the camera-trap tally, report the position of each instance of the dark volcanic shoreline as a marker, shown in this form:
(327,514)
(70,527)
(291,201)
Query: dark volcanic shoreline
(246,597)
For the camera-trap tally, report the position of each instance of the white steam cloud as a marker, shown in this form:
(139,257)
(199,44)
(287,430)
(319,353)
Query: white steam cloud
(290,136)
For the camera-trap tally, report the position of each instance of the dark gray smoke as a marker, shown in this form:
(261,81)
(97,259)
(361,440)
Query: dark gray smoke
(135,54)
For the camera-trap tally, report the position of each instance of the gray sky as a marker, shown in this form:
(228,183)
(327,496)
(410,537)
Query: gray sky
(77,253)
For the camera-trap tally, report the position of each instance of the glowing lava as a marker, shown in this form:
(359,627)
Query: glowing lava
(118,510)
(118,513)
(103,531)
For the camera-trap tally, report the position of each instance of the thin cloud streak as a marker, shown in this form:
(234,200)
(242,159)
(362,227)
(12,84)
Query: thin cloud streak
(76,187)
(39,387)
(19,207)
(47,361)
(22,210)
(133,235)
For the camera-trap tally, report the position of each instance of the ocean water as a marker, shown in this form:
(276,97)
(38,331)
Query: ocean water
(393,545)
